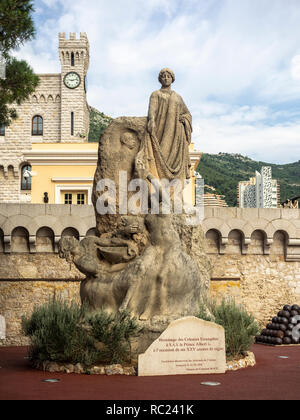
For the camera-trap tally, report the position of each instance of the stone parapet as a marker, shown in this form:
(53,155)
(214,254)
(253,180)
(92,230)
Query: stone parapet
(228,230)
(244,228)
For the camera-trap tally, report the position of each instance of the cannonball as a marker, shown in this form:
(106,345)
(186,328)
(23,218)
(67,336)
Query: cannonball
(284,321)
(295,341)
(283,327)
(290,326)
(269,326)
(286,314)
(280,334)
(287,308)
(275,319)
(279,319)
(278,341)
(295,308)
(280,313)
(293,313)
(288,333)
(287,340)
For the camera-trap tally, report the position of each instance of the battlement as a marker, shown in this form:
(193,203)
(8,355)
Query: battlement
(72,36)
(72,42)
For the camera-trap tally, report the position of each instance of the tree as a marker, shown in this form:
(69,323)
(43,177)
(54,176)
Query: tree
(16,27)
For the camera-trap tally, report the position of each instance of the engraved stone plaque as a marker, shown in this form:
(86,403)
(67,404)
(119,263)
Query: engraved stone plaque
(188,346)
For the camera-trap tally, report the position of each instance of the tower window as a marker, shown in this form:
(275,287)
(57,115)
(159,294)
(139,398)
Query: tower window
(37,125)
(2,129)
(26,177)
(72,59)
(72,123)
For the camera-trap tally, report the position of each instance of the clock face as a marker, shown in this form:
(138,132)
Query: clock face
(72,80)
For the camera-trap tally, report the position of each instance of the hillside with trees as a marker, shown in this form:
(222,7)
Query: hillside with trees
(224,171)
(98,123)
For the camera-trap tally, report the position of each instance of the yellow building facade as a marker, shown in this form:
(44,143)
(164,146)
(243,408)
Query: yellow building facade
(64,171)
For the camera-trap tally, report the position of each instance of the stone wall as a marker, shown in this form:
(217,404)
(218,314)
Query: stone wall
(254,254)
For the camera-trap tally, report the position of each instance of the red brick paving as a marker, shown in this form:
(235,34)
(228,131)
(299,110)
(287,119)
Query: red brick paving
(271,379)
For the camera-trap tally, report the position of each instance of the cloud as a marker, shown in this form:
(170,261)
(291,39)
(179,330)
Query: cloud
(247,130)
(237,63)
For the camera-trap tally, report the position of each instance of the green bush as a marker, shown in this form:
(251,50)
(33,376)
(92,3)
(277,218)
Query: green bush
(65,333)
(240,326)
(114,332)
(56,334)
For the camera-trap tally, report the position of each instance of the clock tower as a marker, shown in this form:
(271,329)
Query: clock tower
(74,58)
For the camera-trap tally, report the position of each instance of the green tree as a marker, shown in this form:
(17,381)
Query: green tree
(16,27)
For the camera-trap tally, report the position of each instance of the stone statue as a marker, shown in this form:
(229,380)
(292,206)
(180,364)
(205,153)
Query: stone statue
(165,147)
(152,265)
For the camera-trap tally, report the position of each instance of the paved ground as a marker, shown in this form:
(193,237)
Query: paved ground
(272,378)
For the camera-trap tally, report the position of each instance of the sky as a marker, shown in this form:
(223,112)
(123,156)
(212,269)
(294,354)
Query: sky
(236,63)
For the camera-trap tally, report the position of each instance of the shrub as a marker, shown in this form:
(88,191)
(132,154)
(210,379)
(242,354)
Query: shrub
(240,326)
(64,333)
(115,333)
(56,334)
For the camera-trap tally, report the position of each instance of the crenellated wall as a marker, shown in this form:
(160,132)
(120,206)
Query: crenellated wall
(255,256)
(249,223)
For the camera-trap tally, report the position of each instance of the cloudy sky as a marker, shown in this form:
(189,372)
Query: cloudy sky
(237,64)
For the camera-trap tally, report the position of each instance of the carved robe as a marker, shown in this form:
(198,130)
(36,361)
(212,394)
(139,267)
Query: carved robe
(167,151)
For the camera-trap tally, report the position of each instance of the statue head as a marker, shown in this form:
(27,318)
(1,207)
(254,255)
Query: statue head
(68,247)
(168,72)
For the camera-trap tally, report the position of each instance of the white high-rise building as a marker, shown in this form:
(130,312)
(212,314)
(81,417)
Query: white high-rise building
(260,191)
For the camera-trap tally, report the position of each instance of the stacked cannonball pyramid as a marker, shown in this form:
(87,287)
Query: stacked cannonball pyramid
(282,328)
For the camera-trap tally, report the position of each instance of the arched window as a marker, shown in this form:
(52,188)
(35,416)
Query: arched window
(72,59)
(26,177)
(37,125)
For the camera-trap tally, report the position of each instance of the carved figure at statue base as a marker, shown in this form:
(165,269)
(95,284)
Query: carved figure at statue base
(163,280)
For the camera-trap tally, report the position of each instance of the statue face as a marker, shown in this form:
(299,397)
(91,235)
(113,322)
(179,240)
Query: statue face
(166,79)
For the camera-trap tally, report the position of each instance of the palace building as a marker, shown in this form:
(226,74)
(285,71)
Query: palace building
(45,156)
